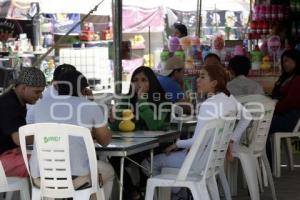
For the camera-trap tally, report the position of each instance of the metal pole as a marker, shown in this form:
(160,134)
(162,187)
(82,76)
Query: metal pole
(36,27)
(117,44)
(199,18)
(36,33)
(149,35)
(248,25)
(121,177)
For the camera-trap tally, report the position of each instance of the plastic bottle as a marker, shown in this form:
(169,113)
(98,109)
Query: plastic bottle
(180,54)
(49,71)
(265,29)
(253,26)
(256,58)
(260,27)
(164,55)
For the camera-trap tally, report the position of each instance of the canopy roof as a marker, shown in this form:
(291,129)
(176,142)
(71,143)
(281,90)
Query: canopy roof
(18,8)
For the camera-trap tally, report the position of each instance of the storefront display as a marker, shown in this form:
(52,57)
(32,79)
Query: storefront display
(92,62)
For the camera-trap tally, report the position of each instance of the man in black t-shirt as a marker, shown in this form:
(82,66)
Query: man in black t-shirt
(27,89)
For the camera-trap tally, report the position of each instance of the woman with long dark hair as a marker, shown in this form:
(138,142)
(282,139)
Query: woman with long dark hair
(290,66)
(287,92)
(145,98)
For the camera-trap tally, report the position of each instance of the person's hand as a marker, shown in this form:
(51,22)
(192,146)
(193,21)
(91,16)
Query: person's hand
(141,92)
(170,148)
(88,93)
(229,156)
(111,116)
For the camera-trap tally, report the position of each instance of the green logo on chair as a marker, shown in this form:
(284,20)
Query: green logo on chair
(51,139)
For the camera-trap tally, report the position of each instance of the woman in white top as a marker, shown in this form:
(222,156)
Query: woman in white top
(212,82)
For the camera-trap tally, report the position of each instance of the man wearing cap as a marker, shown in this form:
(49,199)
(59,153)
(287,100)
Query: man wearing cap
(27,89)
(171,77)
(51,90)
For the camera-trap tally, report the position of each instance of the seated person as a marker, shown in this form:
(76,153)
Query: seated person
(59,70)
(57,110)
(171,79)
(144,93)
(27,89)
(212,80)
(212,59)
(286,91)
(152,112)
(239,67)
(51,90)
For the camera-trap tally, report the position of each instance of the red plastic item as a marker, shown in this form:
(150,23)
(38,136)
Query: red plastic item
(253,26)
(260,27)
(87,33)
(265,27)
(86,36)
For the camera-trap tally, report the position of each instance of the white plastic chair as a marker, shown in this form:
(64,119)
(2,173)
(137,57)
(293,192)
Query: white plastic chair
(52,146)
(197,167)
(176,116)
(276,143)
(222,149)
(11,184)
(253,156)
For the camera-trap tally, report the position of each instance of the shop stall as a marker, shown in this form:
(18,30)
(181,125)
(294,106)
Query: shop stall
(145,29)
(17,38)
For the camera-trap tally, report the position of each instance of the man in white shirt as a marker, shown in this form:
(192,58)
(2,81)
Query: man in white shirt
(71,106)
(51,90)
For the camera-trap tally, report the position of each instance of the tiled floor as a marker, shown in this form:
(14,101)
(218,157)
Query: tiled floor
(287,187)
